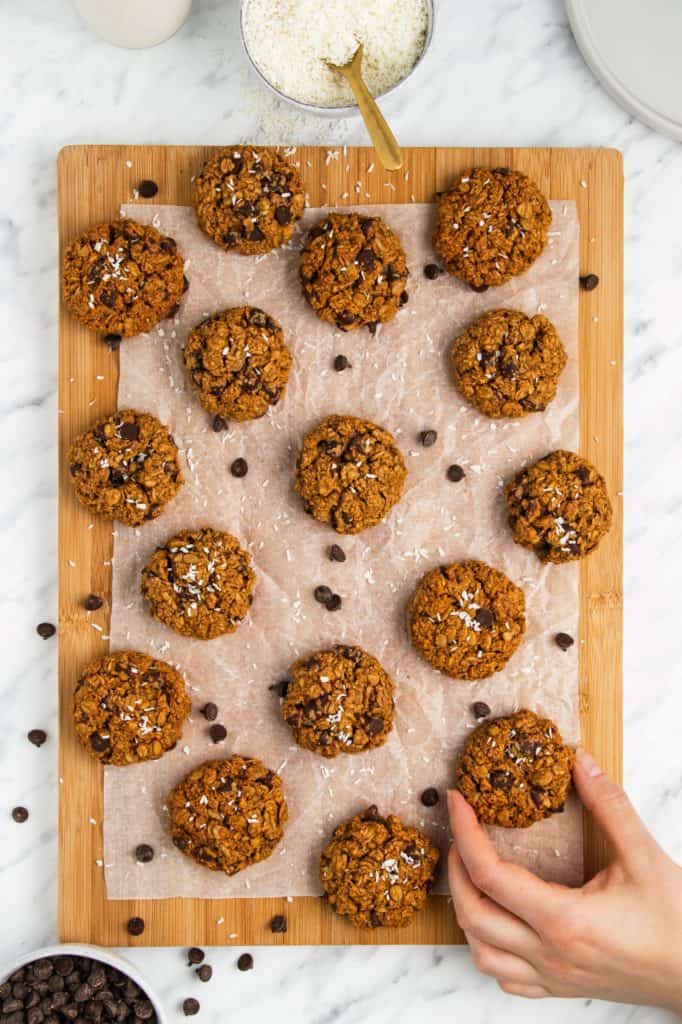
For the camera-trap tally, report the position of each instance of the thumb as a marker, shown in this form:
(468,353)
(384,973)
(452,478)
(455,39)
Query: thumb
(608,803)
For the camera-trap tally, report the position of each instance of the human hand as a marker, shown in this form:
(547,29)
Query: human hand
(619,937)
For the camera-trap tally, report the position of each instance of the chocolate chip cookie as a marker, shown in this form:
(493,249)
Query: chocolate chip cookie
(238,362)
(125,467)
(350,473)
(248,199)
(129,707)
(228,815)
(508,364)
(339,701)
(353,271)
(515,771)
(122,278)
(199,583)
(559,507)
(377,871)
(492,225)
(467,619)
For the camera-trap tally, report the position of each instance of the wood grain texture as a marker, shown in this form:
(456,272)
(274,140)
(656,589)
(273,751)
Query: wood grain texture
(92,183)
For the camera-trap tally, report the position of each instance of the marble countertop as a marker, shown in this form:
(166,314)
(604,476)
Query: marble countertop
(501,72)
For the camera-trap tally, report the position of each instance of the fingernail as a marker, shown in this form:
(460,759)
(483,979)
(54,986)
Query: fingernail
(588,763)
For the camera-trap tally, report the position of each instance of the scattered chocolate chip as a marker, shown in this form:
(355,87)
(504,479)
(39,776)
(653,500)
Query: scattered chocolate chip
(190,1007)
(374,919)
(427,438)
(218,733)
(500,780)
(129,431)
(45,630)
(218,424)
(280,688)
(135,926)
(334,603)
(337,554)
(479,287)
(588,282)
(210,711)
(112,341)
(372,813)
(92,603)
(372,328)
(144,853)
(283,215)
(20,815)
(185,284)
(255,235)
(205,972)
(484,617)
(432,271)
(564,641)
(239,468)
(116,479)
(455,473)
(404,298)
(322,594)
(480,709)
(341,363)
(37,737)
(430,797)
(278,925)
(375,725)
(98,743)
(245,962)
(147,189)
(195,956)
(538,795)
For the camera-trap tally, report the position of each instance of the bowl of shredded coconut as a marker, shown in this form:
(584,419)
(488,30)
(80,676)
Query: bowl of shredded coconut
(289,41)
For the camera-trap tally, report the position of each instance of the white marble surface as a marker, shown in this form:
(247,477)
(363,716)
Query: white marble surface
(502,72)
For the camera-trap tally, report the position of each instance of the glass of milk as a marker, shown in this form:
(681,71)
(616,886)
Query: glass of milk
(134,24)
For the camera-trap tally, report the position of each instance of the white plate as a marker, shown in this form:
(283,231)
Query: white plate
(634,47)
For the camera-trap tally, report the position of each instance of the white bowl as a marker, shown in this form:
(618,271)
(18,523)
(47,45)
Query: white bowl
(350,111)
(103,956)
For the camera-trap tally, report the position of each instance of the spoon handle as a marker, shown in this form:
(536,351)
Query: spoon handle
(388,150)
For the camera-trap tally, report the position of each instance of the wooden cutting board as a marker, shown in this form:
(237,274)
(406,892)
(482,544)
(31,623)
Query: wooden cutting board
(93,181)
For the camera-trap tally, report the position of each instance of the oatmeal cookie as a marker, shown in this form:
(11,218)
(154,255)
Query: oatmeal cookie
(377,871)
(353,271)
(248,199)
(339,701)
(228,815)
(125,467)
(238,362)
(508,364)
(129,707)
(515,771)
(122,278)
(199,583)
(349,473)
(467,619)
(559,507)
(492,225)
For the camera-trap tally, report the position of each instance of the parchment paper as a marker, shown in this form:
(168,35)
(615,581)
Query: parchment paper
(399,379)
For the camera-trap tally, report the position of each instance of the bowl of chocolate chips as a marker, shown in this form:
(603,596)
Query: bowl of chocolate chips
(78,984)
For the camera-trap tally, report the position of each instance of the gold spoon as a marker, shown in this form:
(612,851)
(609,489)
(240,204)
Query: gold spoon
(384,140)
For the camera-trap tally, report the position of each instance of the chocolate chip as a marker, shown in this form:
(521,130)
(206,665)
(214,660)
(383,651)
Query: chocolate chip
(255,235)
(341,363)
(374,919)
(195,956)
(334,603)
(205,972)
(92,603)
(538,795)
(375,725)
(116,479)
(37,737)
(479,287)
(337,554)
(45,630)
(147,189)
(366,258)
(218,424)
(210,711)
(278,925)
(20,815)
(144,853)
(345,318)
(404,298)
(427,438)
(372,813)
(484,617)
(112,341)
(588,282)
(583,474)
(500,780)
(218,733)
(245,962)
(480,709)
(283,215)
(564,641)
(432,271)
(430,797)
(280,688)
(239,468)
(455,473)
(322,594)
(135,926)
(190,1007)
(98,743)
(372,328)
(185,284)
(129,431)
